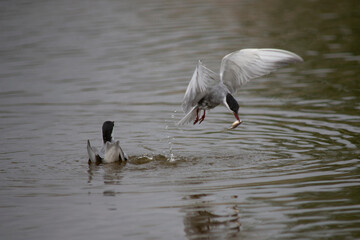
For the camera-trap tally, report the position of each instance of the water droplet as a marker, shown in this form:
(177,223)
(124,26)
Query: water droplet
(171,158)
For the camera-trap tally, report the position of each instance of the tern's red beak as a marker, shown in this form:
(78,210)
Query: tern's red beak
(236,116)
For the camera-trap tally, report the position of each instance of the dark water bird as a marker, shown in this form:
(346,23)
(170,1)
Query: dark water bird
(110,151)
(207,89)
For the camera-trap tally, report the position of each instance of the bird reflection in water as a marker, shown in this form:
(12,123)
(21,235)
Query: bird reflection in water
(201,221)
(111,171)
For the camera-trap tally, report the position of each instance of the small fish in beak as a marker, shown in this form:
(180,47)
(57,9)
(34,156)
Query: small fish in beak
(235,124)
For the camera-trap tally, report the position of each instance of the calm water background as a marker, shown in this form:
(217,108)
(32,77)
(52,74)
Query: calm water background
(290,171)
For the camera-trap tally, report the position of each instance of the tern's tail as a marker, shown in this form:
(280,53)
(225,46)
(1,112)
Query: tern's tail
(189,117)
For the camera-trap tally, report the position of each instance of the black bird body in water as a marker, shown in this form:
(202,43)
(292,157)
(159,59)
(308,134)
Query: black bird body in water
(110,151)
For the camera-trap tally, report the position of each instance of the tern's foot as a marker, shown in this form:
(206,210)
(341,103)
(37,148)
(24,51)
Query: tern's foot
(197,116)
(203,117)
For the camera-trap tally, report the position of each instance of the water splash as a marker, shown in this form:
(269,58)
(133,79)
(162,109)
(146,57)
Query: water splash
(171,154)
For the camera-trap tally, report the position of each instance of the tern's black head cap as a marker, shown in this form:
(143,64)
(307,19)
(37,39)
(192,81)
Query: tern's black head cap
(107,129)
(233,104)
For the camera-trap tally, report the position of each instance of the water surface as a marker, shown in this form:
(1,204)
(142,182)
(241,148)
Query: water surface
(290,171)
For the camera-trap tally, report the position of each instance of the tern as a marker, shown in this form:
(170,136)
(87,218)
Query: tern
(111,150)
(206,89)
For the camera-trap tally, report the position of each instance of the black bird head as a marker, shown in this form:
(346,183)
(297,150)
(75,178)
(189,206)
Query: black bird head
(232,103)
(107,129)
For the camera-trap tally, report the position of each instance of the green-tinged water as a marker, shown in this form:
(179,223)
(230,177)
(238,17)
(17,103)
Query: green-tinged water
(290,171)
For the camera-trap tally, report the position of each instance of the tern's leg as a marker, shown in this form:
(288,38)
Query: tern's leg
(197,116)
(203,117)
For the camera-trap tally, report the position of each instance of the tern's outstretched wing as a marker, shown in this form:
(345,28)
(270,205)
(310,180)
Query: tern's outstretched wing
(202,80)
(239,67)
